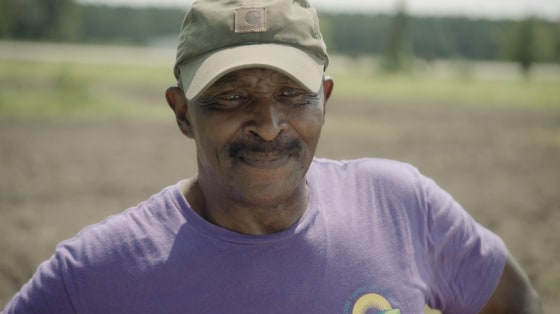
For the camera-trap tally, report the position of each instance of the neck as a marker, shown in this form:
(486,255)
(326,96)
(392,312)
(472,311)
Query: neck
(242,216)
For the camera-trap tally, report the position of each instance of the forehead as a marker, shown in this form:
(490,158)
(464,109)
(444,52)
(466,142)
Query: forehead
(249,75)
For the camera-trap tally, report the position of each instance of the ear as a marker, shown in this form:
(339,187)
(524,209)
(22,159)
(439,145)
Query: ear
(178,103)
(328,85)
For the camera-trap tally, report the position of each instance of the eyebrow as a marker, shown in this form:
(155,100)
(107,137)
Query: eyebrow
(234,76)
(228,78)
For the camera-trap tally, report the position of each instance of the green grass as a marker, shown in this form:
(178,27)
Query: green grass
(81,90)
(65,88)
(429,88)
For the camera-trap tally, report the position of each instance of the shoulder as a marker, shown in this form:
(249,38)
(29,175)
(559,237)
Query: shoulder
(113,250)
(126,234)
(362,165)
(370,185)
(366,171)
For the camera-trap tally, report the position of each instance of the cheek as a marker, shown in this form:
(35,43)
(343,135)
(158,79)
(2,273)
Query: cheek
(213,135)
(309,125)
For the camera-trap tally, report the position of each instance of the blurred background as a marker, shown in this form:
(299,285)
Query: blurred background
(468,92)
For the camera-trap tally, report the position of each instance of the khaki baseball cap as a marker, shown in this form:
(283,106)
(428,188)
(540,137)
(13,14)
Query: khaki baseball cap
(218,37)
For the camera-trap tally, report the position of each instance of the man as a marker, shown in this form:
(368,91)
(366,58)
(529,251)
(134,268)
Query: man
(264,227)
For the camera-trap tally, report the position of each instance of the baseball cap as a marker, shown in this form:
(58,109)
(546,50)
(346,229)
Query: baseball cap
(218,37)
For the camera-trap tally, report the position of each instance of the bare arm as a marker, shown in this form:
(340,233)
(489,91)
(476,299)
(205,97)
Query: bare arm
(514,293)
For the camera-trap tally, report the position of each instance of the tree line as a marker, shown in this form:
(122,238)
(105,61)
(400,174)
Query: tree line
(526,41)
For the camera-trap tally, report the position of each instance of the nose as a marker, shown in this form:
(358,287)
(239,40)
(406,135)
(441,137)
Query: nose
(267,120)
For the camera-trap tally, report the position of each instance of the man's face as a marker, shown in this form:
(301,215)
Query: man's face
(256,133)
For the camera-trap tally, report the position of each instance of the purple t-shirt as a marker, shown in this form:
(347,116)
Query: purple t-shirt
(377,237)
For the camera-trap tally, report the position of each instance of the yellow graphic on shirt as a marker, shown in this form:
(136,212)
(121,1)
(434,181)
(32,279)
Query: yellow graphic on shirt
(373,301)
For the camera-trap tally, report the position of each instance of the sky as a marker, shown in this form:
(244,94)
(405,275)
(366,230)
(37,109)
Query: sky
(549,9)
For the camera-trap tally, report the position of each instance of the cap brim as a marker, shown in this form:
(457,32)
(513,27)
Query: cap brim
(295,63)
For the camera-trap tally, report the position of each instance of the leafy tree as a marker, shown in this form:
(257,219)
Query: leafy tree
(3,19)
(64,18)
(556,42)
(398,50)
(354,34)
(128,25)
(524,45)
(39,19)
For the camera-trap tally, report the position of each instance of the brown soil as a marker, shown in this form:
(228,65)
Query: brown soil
(503,165)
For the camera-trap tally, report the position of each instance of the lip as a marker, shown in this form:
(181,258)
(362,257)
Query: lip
(264,160)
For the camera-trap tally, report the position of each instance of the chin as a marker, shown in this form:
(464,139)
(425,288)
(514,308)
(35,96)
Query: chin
(270,190)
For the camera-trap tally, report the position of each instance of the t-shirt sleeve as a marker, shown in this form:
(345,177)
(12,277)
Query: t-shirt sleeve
(44,293)
(463,260)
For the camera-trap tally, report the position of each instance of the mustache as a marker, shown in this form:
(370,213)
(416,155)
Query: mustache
(280,146)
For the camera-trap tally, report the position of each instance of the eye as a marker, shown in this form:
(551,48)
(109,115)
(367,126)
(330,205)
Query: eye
(296,97)
(290,92)
(230,99)
(225,100)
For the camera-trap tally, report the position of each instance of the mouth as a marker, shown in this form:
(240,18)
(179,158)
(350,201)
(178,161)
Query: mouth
(265,155)
(264,160)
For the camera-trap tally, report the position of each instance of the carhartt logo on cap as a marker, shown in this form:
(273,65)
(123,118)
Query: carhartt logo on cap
(250,20)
